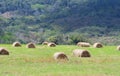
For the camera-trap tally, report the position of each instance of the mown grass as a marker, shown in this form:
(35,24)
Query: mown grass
(39,62)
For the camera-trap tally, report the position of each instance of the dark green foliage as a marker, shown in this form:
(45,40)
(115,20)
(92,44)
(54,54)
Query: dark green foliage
(75,37)
(50,19)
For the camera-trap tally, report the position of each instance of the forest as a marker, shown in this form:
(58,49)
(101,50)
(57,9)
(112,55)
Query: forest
(60,21)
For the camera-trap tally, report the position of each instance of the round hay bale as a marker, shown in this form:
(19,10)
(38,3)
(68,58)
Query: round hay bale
(83,44)
(3,51)
(17,44)
(51,44)
(81,53)
(118,47)
(45,43)
(97,45)
(60,56)
(30,45)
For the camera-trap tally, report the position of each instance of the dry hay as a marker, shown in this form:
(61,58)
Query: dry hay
(81,53)
(83,44)
(3,51)
(45,43)
(17,44)
(118,47)
(51,44)
(30,45)
(60,56)
(97,45)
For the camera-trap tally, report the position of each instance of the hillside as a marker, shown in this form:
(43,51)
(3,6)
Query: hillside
(39,20)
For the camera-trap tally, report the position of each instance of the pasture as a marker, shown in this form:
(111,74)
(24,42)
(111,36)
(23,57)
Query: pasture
(39,61)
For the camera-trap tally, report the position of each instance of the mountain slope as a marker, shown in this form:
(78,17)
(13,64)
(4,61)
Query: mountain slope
(97,12)
(23,18)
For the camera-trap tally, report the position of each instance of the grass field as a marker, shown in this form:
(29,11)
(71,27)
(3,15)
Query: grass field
(39,62)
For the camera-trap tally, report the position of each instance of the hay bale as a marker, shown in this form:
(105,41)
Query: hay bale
(60,56)
(3,51)
(83,44)
(81,53)
(118,47)
(51,44)
(17,44)
(97,45)
(45,43)
(30,45)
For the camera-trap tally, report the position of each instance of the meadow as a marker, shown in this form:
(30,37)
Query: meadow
(24,61)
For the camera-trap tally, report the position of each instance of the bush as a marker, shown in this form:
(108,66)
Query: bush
(75,37)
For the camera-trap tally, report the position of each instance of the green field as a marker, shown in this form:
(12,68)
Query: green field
(23,61)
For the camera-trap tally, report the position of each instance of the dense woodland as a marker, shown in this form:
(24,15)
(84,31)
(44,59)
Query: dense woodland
(60,21)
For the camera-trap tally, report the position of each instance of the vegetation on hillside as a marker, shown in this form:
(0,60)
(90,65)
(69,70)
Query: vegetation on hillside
(60,21)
